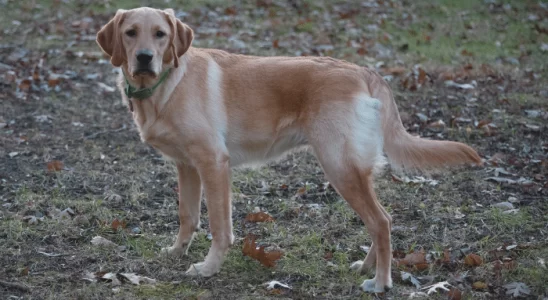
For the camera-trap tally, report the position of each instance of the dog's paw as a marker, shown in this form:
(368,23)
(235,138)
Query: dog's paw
(174,251)
(359,267)
(371,286)
(356,266)
(201,269)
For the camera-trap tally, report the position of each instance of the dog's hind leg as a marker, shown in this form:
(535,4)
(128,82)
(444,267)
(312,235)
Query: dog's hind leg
(356,187)
(367,266)
(347,139)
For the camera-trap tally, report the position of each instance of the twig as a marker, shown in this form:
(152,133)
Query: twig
(52,254)
(94,135)
(14,285)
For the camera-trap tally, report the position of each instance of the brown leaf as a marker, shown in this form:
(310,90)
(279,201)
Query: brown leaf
(117,224)
(483,123)
(422,76)
(497,158)
(36,74)
(276,44)
(421,266)
(446,256)
(55,166)
(231,11)
(416,259)
(24,271)
(479,285)
(466,53)
(398,254)
(25,84)
(53,82)
(473,260)
(395,71)
(250,249)
(510,264)
(454,294)
(259,217)
(396,179)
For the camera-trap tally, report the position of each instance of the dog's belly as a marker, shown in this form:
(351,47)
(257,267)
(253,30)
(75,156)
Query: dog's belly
(253,150)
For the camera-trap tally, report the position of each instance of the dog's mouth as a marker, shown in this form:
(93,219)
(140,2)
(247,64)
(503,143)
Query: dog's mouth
(144,72)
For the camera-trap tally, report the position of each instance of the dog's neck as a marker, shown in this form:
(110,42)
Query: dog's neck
(145,109)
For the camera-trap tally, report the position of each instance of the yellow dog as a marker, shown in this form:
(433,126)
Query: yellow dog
(208,110)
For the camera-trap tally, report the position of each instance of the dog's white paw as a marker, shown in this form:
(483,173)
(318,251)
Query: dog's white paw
(361,268)
(201,269)
(371,286)
(174,251)
(356,266)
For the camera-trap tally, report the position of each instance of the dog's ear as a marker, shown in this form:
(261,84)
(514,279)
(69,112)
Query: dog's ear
(109,39)
(180,39)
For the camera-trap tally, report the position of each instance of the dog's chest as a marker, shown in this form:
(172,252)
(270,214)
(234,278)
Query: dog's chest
(162,135)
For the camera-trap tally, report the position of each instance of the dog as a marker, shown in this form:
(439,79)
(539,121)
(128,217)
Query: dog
(208,111)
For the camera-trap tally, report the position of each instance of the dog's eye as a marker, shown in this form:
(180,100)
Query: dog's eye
(131,33)
(160,33)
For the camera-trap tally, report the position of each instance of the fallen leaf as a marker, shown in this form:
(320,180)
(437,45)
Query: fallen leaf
(479,285)
(250,249)
(509,264)
(542,263)
(501,180)
(259,217)
(517,289)
(466,53)
(25,84)
(422,76)
(395,71)
(106,88)
(54,81)
(67,213)
(454,294)
(136,279)
(23,271)
(434,287)
(415,260)
(473,260)
(55,166)
(504,205)
(111,277)
(117,224)
(101,241)
(409,277)
(465,86)
(276,285)
(32,220)
(415,180)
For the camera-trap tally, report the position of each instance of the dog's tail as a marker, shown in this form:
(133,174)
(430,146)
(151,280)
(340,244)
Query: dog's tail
(410,152)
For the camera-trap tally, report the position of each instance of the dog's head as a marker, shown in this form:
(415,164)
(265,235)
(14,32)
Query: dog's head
(145,40)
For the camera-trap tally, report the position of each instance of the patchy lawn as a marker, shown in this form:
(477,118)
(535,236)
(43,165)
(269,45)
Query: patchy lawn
(72,164)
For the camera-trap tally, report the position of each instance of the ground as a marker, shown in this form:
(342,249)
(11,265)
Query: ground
(72,164)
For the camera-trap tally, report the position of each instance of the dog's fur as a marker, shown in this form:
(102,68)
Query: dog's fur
(218,110)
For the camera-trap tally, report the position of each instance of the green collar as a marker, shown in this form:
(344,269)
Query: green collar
(133,92)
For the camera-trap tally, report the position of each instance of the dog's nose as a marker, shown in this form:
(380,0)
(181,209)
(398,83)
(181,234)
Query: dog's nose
(144,56)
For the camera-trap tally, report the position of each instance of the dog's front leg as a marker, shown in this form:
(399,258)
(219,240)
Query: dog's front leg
(215,175)
(190,193)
